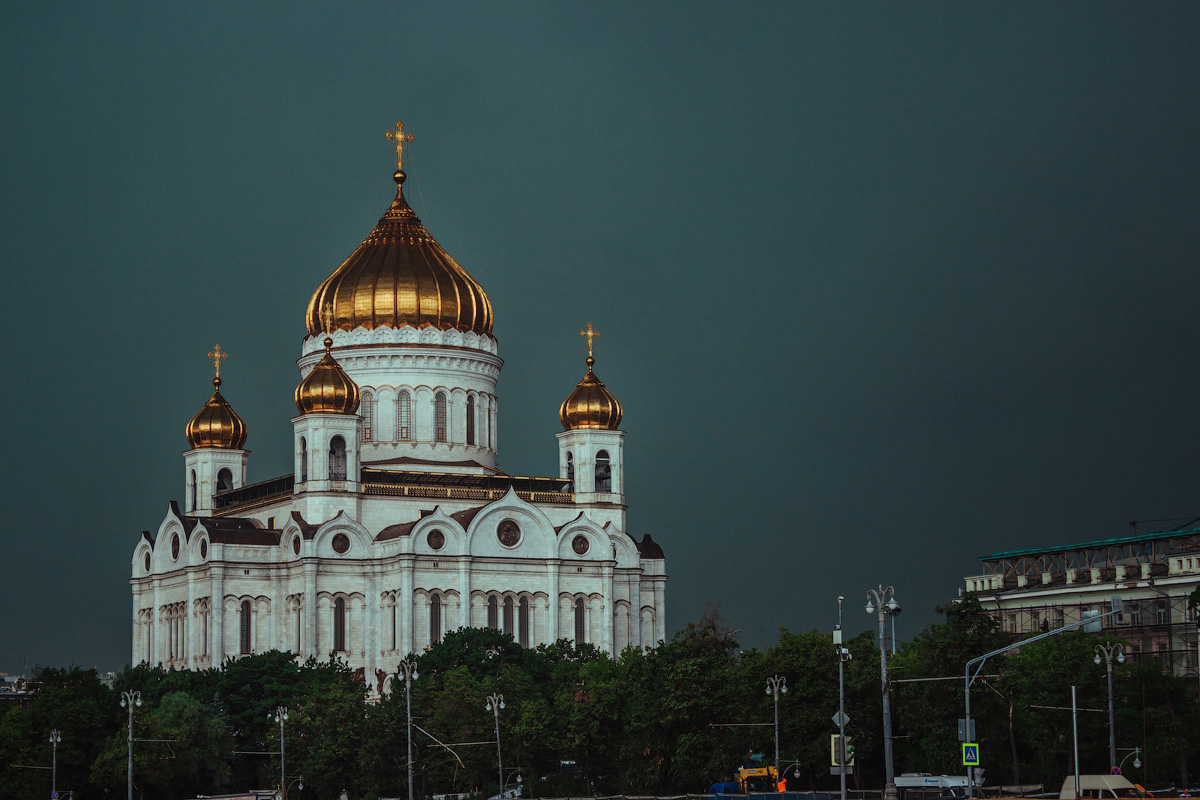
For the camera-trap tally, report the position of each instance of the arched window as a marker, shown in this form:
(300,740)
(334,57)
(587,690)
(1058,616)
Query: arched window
(523,621)
(339,625)
(570,472)
(435,619)
(439,417)
(303,460)
(244,629)
(486,416)
(580,622)
(508,616)
(404,416)
(603,472)
(224,480)
(368,415)
(493,613)
(470,420)
(192,491)
(337,459)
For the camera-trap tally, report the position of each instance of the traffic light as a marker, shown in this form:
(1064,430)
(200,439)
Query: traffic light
(849,752)
(835,750)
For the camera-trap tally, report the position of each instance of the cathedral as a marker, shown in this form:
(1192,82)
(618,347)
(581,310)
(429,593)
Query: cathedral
(395,524)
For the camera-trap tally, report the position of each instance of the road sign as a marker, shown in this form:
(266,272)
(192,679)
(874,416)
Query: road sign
(965,735)
(1115,771)
(840,719)
(970,754)
(54,796)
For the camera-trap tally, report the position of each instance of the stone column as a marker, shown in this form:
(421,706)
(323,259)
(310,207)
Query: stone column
(189,627)
(216,621)
(404,615)
(309,604)
(464,592)
(552,569)
(606,610)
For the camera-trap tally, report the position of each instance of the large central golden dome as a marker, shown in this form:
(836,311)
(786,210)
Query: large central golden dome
(400,276)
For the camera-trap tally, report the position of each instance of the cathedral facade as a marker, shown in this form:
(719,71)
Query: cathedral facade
(395,525)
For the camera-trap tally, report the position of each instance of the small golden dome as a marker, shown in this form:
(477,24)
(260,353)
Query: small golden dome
(590,406)
(400,276)
(217,424)
(327,389)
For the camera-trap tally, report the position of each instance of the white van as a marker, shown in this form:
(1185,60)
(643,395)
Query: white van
(1101,786)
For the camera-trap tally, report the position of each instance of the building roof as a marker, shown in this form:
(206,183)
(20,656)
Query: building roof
(1185,529)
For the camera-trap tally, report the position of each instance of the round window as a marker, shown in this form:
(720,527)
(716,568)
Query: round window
(175,546)
(580,544)
(296,545)
(509,533)
(204,548)
(341,543)
(147,561)
(436,539)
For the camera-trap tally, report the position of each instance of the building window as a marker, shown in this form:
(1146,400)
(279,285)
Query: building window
(1160,608)
(435,619)
(493,621)
(1135,613)
(1059,617)
(192,492)
(570,472)
(368,415)
(470,420)
(523,621)
(299,619)
(244,629)
(439,417)
(486,416)
(508,616)
(224,480)
(337,459)
(580,622)
(303,460)
(603,472)
(392,612)
(339,625)
(404,416)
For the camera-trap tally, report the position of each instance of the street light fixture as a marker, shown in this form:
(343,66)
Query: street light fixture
(777,686)
(884,602)
(129,700)
(298,779)
(495,702)
(280,716)
(409,670)
(520,780)
(1137,761)
(1109,650)
(843,654)
(55,738)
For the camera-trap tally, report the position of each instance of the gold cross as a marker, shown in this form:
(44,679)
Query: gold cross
(399,137)
(591,334)
(327,318)
(216,355)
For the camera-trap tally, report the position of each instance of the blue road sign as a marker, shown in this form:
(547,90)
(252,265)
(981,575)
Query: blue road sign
(970,754)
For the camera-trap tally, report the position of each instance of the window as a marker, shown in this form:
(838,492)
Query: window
(439,417)
(224,480)
(368,415)
(580,627)
(299,619)
(470,420)
(487,415)
(523,620)
(392,610)
(493,613)
(1160,608)
(244,629)
(337,459)
(570,472)
(1059,617)
(339,625)
(192,491)
(603,472)
(1135,613)
(404,416)
(303,460)
(508,616)
(435,619)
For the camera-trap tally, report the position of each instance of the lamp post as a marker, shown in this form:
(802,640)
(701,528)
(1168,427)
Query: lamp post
(777,686)
(280,716)
(129,700)
(298,779)
(843,656)
(495,702)
(884,602)
(55,738)
(1137,761)
(520,780)
(1109,650)
(409,670)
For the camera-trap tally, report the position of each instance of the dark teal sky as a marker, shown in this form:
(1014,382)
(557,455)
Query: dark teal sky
(882,287)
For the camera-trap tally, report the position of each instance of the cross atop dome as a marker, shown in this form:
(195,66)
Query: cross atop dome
(217,355)
(591,333)
(400,137)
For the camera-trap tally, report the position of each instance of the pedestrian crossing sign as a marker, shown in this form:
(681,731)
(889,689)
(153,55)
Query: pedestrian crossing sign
(970,754)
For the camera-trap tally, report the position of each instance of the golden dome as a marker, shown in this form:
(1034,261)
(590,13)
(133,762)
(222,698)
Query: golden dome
(327,389)
(590,406)
(400,276)
(217,424)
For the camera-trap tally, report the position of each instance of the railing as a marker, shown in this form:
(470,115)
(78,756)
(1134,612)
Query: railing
(458,493)
(250,505)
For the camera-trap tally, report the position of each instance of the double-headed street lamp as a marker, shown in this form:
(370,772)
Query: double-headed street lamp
(55,738)
(129,700)
(883,601)
(409,670)
(280,716)
(1109,650)
(495,702)
(777,686)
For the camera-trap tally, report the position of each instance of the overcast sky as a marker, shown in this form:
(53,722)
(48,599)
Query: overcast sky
(882,287)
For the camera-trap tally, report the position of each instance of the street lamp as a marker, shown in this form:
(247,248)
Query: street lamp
(280,716)
(298,779)
(843,654)
(129,700)
(1137,762)
(409,670)
(1108,650)
(495,702)
(55,738)
(777,686)
(884,602)
(520,780)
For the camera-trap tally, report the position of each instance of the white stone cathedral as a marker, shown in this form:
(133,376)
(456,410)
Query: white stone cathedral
(395,525)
